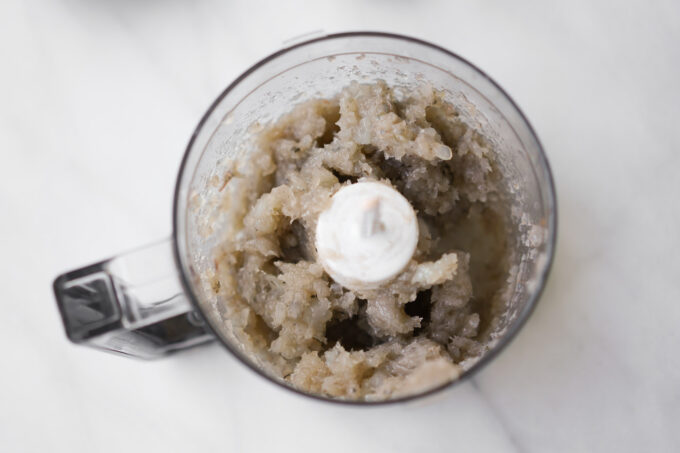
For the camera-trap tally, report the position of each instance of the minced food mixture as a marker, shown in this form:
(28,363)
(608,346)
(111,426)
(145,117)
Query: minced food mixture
(411,334)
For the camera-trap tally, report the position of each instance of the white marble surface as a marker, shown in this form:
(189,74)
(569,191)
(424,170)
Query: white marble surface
(97,101)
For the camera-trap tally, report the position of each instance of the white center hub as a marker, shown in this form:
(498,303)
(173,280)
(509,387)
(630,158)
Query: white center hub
(367,235)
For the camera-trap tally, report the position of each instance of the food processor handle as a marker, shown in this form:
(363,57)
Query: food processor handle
(132,304)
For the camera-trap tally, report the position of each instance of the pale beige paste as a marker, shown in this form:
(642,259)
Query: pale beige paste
(412,333)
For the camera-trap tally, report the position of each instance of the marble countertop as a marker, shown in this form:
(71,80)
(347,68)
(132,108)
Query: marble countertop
(97,101)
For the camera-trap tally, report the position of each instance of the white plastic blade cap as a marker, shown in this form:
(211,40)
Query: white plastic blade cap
(367,236)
